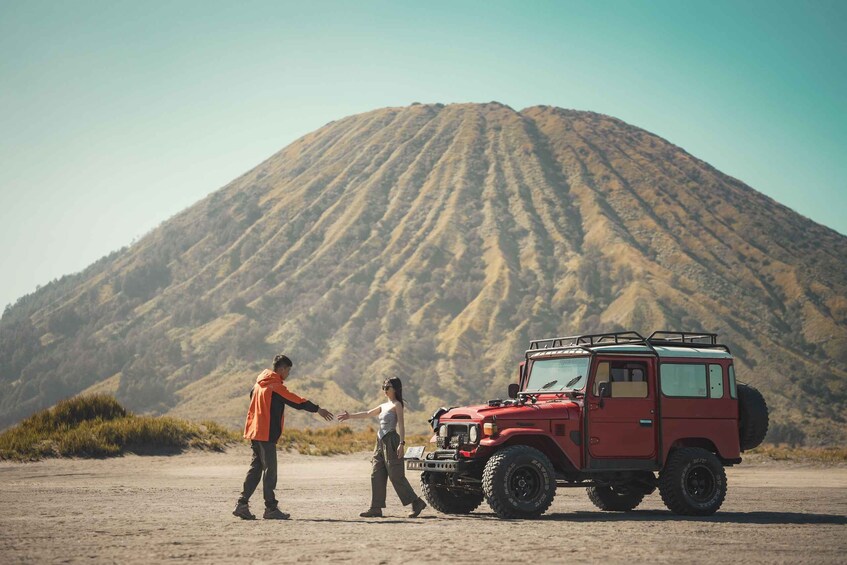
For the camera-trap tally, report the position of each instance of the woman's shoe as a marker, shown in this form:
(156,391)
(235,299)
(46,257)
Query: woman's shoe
(372,513)
(417,506)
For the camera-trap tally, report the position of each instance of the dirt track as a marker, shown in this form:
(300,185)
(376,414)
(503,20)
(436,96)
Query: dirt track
(150,509)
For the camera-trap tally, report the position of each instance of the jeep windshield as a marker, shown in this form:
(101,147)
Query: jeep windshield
(556,375)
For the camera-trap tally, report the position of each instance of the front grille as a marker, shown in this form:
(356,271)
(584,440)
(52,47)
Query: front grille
(457,436)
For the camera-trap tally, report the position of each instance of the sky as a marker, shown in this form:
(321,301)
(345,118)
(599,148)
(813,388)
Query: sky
(115,115)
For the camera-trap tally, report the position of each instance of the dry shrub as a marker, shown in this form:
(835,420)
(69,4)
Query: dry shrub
(335,440)
(829,455)
(98,426)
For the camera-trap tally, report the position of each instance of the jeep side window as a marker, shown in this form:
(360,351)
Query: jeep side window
(601,375)
(684,379)
(715,381)
(732,392)
(628,378)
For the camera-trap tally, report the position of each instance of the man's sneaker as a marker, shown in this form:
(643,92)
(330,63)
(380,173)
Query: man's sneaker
(372,513)
(417,506)
(243,512)
(275,514)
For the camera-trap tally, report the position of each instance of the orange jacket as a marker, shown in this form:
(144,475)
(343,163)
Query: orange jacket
(258,422)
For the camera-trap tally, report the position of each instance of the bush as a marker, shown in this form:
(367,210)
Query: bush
(78,409)
(98,426)
(828,455)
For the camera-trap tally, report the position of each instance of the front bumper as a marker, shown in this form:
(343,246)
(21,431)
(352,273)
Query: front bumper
(433,465)
(446,463)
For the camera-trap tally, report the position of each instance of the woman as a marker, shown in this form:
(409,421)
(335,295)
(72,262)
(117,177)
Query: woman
(388,454)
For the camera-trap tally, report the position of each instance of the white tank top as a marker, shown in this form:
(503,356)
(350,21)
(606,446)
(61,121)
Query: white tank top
(387,419)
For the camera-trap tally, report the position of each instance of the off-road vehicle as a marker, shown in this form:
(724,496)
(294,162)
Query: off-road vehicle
(616,413)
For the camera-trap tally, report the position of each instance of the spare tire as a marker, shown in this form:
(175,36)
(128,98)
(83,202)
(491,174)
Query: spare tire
(752,417)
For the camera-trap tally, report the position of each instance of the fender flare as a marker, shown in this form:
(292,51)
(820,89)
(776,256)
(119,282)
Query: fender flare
(514,436)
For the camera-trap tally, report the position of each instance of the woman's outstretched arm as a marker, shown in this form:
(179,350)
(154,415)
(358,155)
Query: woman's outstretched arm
(345,415)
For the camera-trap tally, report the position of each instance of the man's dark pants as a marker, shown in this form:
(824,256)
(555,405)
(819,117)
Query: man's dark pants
(264,459)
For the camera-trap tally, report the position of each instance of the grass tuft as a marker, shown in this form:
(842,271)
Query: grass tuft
(98,426)
(336,440)
(802,454)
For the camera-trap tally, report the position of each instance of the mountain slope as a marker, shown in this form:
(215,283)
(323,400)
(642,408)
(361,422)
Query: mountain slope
(431,242)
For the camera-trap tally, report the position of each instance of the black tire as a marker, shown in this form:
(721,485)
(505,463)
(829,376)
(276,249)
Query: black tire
(620,498)
(693,482)
(752,417)
(519,482)
(446,500)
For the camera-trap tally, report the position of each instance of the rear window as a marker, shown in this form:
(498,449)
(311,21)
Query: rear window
(684,379)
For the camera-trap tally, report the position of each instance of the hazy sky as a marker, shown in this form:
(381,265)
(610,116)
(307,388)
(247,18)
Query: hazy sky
(116,115)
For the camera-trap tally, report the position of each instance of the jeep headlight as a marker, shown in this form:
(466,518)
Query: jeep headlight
(473,434)
(442,431)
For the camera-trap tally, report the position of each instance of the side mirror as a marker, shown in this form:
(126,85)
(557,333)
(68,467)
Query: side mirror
(513,390)
(604,390)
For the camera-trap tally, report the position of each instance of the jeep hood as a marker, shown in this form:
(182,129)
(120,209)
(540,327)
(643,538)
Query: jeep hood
(560,410)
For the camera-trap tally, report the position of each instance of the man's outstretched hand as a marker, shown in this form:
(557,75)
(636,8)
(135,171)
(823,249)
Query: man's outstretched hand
(325,414)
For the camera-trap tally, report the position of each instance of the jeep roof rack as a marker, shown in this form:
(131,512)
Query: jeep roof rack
(703,340)
(587,341)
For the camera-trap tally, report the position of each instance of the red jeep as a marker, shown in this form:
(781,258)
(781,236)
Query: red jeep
(606,412)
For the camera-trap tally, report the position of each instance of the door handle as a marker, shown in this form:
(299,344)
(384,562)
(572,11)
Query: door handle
(646,423)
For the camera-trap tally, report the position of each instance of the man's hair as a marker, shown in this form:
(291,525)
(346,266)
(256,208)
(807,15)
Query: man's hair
(282,361)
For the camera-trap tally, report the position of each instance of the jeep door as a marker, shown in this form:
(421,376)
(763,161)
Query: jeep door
(622,426)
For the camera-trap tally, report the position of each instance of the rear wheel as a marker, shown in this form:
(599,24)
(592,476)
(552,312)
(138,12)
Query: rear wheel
(693,482)
(616,498)
(519,482)
(446,500)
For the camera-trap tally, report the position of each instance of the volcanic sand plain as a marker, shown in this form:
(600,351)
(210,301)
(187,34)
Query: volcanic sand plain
(147,509)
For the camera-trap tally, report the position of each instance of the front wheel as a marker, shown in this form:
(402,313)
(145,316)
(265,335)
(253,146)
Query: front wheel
(445,499)
(519,482)
(693,482)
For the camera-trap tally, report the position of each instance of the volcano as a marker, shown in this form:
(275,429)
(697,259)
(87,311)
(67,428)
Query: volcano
(432,242)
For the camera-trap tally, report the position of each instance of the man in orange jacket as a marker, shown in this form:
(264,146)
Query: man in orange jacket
(265,421)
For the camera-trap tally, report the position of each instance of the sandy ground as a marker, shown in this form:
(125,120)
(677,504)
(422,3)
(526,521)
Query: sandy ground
(153,509)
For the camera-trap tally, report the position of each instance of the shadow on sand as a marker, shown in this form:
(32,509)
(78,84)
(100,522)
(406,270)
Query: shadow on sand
(383,520)
(720,517)
(798,518)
